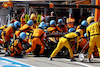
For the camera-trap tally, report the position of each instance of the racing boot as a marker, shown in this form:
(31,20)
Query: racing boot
(89,60)
(50,58)
(7,53)
(0,49)
(72,59)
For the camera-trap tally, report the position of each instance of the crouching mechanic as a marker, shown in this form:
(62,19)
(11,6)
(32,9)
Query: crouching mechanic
(16,47)
(25,28)
(37,38)
(66,41)
(6,34)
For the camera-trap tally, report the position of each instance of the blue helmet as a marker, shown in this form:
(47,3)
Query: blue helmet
(41,26)
(45,25)
(10,25)
(17,24)
(60,21)
(84,23)
(42,23)
(30,22)
(52,22)
(0,32)
(85,35)
(23,35)
(71,30)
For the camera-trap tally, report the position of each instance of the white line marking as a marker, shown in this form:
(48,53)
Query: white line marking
(83,64)
(18,61)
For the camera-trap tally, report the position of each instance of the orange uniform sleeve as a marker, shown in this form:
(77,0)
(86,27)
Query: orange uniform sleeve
(9,31)
(59,29)
(17,33)
(66,30)
(2,27)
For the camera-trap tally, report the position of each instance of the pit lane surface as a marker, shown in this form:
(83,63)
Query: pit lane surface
(57,62)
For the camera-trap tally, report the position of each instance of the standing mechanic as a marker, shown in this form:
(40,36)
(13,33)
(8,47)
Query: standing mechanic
(93,32)
(70,21)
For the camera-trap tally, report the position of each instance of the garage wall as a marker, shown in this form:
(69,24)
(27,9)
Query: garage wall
(3,14)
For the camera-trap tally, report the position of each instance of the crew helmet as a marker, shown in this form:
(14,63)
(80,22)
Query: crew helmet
(84,23)
(22,35)
(52,22)
(71,30)
(17,24)
(60,20)
(30,22)
(90,19)
(41,26)
(33,16)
